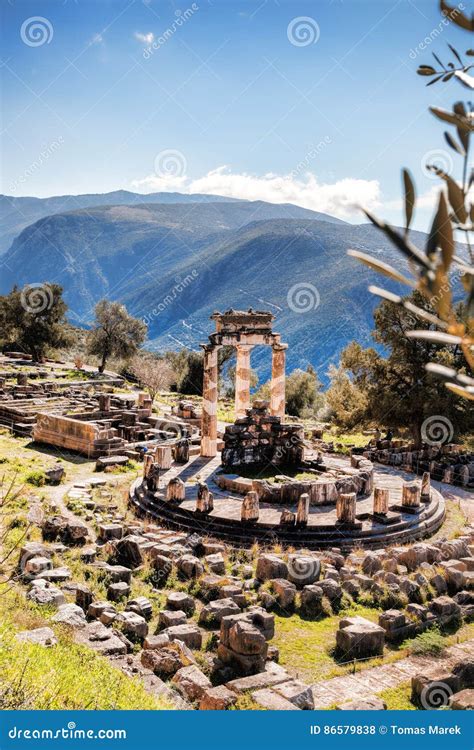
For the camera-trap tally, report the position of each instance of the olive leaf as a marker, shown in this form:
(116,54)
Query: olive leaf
(410,198)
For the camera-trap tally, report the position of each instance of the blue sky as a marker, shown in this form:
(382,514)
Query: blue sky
(217,96)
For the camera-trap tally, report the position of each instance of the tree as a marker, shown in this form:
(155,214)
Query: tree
(153,373)
(189,368)
(397,391)
(432,271)
(34,319)
(302,393)
(115,332)
(347,401)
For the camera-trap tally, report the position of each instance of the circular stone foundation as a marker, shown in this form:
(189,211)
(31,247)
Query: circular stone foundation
(322,530)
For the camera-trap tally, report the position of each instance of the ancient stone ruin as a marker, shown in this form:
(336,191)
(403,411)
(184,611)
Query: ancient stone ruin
(243,330)
(259,439)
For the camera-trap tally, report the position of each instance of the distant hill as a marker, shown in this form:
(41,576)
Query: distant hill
(175,263)
(18,213)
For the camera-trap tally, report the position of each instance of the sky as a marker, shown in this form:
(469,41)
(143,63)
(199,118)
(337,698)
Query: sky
(313,102)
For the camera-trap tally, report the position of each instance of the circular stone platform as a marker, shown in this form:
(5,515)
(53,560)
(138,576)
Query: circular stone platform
(322,530)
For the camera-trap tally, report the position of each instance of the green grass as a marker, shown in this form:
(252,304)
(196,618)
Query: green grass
(306,645)
(453,523)
(398,698)
(66,676)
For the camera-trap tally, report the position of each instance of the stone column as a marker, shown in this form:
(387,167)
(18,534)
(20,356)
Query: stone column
(426,487)
(302,511)
(209,403)
(411,495)
(104,402)
(205,499)
(277,400)
(176,489)
(381,499)
(250,508)
(346,507)
(164,456)
(242,380)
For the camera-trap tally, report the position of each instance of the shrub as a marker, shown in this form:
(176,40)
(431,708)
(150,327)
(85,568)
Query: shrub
(429,643)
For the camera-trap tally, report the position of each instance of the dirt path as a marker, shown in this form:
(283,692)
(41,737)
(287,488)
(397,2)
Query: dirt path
(339,690)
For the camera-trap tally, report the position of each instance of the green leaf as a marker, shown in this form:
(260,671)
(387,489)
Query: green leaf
(380,266)
(403,244)
(455,194)
(410,197)
(426,70)
(465,78)
(436,337)
(445,232)
(455,15)
(454,144)
(455,53)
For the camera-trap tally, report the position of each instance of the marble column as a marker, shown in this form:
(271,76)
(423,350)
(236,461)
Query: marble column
(242,381)
(277,399)
(209,403)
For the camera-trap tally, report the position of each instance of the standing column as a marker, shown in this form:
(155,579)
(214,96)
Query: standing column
(209,403)
(242,381)
(277,400)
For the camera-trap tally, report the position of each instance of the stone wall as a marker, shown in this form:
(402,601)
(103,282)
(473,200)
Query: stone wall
(447,463)
(259,439)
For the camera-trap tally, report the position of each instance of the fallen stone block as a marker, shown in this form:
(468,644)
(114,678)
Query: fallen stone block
(39,636)
(217,699)
(71,615)
(191,682)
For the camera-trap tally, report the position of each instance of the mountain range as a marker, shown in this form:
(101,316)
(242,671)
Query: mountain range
(173,259)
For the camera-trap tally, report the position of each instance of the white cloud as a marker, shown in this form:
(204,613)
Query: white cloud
(145,38)
(340,198)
